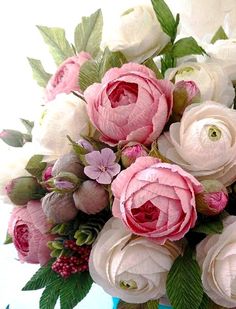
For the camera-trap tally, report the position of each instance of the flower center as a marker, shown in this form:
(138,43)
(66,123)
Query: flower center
(128,284)
(214,133)
(102,168)
(122,94)
(21,238)
(146,213)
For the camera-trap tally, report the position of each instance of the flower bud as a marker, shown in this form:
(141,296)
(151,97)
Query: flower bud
(91,197)
(47,173)
(85,144)
(59,208)
(131,152)
(65,182)
(70,162)
(185,93)
(21,190)
(214,198)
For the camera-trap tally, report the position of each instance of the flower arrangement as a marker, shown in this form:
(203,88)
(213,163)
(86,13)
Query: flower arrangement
(127,178)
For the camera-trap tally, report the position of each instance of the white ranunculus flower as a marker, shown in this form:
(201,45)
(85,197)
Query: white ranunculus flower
(66,115)
(216,256)
(136,33)
(13,163)
(203,142)
(212,81)
(224,52)
(131,268)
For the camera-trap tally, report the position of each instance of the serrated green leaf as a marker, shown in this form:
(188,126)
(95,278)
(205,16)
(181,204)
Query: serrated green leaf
(12,138)
(212,227)
(88,34)
(92,71)
(219,35)
(166,19)
(205,302)
(8,239)
(51,294)
(35,166)
(59,47)
(74,290)
(44,276)
(151,65)
(185,274)
(39,73)
(185,47)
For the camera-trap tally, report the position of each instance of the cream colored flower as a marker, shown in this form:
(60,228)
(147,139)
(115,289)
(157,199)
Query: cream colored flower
(136,33)
(216,256)
(210,78)
(204,142)
(130,267)
(66,115)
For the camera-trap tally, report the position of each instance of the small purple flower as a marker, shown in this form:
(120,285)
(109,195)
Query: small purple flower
(102,166)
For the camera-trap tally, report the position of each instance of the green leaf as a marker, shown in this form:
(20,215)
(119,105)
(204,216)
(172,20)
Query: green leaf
(185,47)
(74,290)
(8,239)
(39,74)
(27,124)
(59,47)
(88,34)
(92,71)
(44,276)
(151,65)
(205,302)
(51,294)
(211,227)
(79,150)
(166,19)
(167,61)
(12,138)
(152,304)
(35,166)
(219,35)
(184,286)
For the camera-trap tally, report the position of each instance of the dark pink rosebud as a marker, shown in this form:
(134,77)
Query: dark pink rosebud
(91,197)
(213,200)
(47,173)
(131,152)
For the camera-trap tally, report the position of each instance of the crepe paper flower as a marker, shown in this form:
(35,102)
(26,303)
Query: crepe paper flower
(102,166)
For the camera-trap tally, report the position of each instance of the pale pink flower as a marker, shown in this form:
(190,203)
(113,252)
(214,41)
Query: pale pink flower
(156,200)
(102,166)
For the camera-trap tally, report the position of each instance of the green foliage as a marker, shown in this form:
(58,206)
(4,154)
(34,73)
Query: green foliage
(151,65)
(212,226)
(27,124)
(35,166)
(39,73)
(166,19)
(59,47)
(71,290)
(92,71)
(12,137)
(219,35)
(8,239)
(186,46)
(184,286)
(88,34)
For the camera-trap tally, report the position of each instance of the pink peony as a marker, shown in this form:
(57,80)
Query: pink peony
(28,228)
(66,77)
(155,199)
(130,104)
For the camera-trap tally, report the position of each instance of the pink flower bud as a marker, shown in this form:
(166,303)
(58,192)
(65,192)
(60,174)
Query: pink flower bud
(214,198)
(185,93)
(91,197)
(59,208)
(131,152)
(47,173)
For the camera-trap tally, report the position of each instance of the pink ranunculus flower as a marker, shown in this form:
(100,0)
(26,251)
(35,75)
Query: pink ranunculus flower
(130,104)
(65,79)
(29,230)
(156,200)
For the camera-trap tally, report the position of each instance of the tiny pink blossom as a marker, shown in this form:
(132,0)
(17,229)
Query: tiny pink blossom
(102,166)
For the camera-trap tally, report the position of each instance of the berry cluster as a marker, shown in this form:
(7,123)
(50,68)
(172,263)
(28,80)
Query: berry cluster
(68,265)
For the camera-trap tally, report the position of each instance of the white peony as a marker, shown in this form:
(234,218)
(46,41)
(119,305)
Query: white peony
(224,52)
(130,267)
(204,142)
(13,163)
(210,78)
(216,256)
(136,33)
(66,115)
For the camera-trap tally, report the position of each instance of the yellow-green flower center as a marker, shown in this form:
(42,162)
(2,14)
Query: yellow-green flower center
(214,133)
(128,284)
(128,11)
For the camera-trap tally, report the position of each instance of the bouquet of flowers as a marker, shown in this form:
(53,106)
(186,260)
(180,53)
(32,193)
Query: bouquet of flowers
(130,170)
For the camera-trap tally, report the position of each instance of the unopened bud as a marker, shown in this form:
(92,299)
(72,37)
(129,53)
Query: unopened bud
(131,152)
(85,144)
